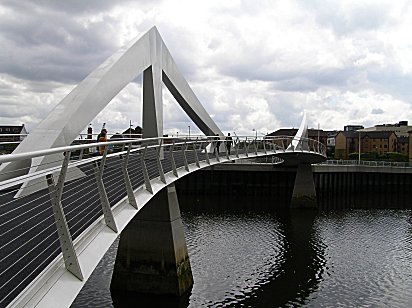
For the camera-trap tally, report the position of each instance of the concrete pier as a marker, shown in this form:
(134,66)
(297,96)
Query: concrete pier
(152,255)
(304,193)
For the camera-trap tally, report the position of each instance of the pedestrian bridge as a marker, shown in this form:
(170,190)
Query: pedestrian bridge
(97,204)
(62,207)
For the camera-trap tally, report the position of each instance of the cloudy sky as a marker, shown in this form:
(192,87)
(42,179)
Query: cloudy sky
(253,64)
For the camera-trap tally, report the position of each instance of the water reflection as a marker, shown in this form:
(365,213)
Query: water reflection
(249,256)
(128,299)
(302,268)
(290,263)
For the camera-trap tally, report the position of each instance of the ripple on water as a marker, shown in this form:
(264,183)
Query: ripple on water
(370,251)
(238,252)
(348,258)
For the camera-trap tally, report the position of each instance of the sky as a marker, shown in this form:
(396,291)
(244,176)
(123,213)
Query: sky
(254,65)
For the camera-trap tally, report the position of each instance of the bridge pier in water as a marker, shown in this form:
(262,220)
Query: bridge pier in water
(152,254)
(304,193)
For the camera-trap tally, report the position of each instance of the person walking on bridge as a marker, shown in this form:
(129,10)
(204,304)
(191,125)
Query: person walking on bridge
(228,143)
(217,144)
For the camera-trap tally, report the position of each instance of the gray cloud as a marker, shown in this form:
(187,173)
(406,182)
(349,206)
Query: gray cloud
(53,44)
(392,80)
(377,111)
(77,7)
(343,21)
(49,46)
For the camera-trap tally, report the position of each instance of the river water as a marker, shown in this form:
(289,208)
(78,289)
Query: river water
(242,256)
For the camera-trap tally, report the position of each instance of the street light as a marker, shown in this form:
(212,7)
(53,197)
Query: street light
(359,146)
(130,128)
(189,130)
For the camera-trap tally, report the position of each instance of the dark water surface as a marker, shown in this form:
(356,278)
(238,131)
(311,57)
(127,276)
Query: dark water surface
(260,258)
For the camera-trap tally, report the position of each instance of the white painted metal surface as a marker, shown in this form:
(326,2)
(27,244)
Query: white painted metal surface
(301,133)
(65,122)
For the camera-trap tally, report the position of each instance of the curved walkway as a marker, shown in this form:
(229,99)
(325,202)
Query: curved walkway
(32,266)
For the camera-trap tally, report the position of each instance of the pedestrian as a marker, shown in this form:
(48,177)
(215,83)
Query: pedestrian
(217,144)
(102,138)
(103,131)
(228,143)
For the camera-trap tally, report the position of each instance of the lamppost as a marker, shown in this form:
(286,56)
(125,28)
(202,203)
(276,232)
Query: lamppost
(359,146)
(130,128)
(189,130)
(255,130)
(177,134)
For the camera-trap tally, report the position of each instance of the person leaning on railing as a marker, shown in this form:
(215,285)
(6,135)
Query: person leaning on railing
(102,138)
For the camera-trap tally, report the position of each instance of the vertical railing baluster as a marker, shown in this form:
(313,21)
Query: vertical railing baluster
(81,154)
(264,146)
(184,149)
(195,152)
(66,243)
(144,170)
(172,160)
(103,161)
(225,142)
(129,188)
(104,200)
(206,153)
(159,163)
(236,144)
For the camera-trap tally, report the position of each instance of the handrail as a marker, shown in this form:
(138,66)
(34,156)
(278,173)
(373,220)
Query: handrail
(27,155)
(371,163)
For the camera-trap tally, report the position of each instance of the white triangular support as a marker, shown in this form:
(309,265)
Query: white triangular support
(147,54)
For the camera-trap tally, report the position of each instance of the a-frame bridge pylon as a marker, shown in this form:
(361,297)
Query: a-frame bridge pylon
(147,54)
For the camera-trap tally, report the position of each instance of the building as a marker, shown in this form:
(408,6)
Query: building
(410,146)
(8,133)
(379,142)
(346,142)
(349,128)
(133,132)
(315,134)
(11,136)
(400,129)
(403,145)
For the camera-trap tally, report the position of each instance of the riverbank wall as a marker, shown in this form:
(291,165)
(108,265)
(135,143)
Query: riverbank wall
(337,187)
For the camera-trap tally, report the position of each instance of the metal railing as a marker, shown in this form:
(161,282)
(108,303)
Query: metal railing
(341,162)
(64,191)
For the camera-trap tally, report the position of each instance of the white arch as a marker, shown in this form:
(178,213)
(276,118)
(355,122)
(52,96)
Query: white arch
(147,54)
(297,143)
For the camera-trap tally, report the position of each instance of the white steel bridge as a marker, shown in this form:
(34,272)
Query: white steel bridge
(52,239)
(61,207)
